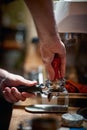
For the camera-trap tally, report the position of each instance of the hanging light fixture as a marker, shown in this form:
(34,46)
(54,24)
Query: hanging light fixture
(71,17)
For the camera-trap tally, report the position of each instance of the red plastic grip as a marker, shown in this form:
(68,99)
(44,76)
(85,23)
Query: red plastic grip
(56,65)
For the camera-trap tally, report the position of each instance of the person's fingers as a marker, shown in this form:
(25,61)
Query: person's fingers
(16,94)
(25,82)
(16,80)
(28,82)
(27,95)
(8,96)
(12,95)
(63,67)
(50,71)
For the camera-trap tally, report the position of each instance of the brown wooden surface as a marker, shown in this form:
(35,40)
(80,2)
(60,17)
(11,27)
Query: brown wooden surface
(19,114)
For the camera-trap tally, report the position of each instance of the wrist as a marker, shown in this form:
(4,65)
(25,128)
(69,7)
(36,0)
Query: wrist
(3,77)
(3,73)
(2,80)
(50,39)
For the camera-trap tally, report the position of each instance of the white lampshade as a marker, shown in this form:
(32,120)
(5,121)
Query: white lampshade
(71,17)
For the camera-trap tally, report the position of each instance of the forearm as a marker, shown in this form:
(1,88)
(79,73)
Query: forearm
(42,12)
(50,42)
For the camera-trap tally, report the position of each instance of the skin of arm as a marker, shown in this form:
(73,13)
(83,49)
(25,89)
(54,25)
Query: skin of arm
(9,81)
(50,42)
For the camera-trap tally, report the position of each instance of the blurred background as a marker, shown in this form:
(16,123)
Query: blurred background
(19,42)
(19,47)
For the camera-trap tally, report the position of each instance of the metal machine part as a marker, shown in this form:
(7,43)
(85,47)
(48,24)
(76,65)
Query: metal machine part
(55,88)
(49,88)
(46,108)
(58,92)
(54,91)
(72,120)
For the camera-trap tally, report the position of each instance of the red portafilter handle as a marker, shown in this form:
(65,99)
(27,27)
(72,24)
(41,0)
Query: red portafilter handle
(56,65)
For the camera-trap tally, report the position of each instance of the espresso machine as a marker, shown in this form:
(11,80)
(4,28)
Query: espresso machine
(53,94)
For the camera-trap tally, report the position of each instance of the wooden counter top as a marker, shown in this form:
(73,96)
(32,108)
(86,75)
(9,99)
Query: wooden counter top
(19,114)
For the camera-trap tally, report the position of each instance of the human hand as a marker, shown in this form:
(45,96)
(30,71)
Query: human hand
(48,52)
(9,90)
(50,43)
